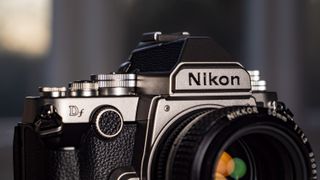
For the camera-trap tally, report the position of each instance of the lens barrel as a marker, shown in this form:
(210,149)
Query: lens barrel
(234,143)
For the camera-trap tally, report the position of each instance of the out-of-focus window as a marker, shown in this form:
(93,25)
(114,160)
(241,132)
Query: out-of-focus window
(25,38)
(25,27)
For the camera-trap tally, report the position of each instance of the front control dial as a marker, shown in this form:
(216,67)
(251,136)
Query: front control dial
(108,122)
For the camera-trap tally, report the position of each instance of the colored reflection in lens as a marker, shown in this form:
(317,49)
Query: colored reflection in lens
(240,168)
(230,168)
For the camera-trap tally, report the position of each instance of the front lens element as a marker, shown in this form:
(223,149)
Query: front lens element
(230,167)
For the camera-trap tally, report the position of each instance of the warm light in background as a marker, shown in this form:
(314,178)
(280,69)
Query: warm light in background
(25,26)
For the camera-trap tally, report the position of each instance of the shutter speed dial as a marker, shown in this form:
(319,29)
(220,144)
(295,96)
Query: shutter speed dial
(115,84)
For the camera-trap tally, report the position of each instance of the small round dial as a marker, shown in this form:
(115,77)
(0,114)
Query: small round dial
(256,83)
(108,122)
(52,92)
(83,89)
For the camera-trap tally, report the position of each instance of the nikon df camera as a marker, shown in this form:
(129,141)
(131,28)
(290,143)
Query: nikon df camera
(180,108)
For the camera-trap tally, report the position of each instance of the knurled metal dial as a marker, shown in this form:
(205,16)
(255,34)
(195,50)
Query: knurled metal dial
(83,88)
(256,83)
(115,84)
(108,122)
(115,80)
(52,92)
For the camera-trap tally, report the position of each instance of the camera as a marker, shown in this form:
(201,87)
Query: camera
(179,108)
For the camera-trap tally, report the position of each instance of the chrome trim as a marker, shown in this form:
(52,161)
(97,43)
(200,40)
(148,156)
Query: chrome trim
(153,105)
(128,173)
(82,107)
(52,91)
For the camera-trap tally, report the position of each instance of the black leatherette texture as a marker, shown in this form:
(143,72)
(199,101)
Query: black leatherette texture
(63,165)
(94,160)
(100,156)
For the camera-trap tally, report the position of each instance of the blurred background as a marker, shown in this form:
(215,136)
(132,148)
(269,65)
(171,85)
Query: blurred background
(53,42)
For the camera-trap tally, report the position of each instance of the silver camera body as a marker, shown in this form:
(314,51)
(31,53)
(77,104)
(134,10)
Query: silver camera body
(149,101)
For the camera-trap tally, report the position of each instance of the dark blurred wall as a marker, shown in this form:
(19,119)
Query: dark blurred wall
(312,59)
(96,37)
(88,37)
(266,35)
(275,46)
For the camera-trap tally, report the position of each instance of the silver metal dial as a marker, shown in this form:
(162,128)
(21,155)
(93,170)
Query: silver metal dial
(83,89)
(109,122)
(115,84)
(52,92)
(256,83)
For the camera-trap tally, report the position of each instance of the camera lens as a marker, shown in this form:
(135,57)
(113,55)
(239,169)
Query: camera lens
(262,155)
(234,143)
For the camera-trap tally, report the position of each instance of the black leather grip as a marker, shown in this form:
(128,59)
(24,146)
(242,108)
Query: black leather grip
(100,156)
(63,165)
(34,161)
(95,158)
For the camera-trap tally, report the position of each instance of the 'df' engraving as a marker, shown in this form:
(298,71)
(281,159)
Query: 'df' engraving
(74,111)
(209,79)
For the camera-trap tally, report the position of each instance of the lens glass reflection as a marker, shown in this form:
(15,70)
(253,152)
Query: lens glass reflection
(230,167)
(234,163)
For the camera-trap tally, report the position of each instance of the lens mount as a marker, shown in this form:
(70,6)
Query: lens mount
(262,144)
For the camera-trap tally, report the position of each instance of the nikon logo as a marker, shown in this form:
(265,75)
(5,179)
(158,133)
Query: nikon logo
(209,79)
